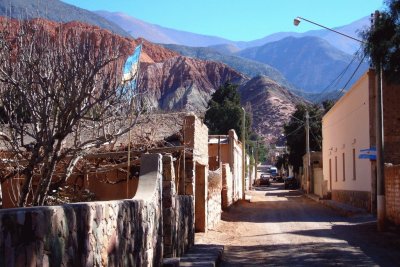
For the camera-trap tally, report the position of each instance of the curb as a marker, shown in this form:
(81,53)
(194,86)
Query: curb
(343,209)
(199,255)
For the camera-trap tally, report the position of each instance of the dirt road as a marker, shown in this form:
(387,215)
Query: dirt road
(284,228)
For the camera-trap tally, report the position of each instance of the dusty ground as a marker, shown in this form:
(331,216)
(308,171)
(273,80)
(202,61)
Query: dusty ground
(284,228)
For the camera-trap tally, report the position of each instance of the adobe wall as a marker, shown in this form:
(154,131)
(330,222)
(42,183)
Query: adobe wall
(226,192)
(392,193)
(214,201)
(213,155)
(113,233)
(196,168)
(196,138)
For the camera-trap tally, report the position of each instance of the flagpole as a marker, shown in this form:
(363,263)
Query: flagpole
(130,122)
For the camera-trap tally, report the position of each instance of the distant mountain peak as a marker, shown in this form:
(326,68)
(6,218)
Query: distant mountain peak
(55,10)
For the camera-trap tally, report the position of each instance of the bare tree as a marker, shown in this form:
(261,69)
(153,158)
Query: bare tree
(61,94)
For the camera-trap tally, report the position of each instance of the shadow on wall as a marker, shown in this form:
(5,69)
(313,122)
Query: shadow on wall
(119,233)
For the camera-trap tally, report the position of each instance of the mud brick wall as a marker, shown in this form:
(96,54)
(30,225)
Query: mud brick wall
(111,233)
(392,193)
(227,180)
(214,201)
(196,137)
(358,199)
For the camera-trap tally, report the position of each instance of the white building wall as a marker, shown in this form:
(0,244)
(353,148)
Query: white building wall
(344,128)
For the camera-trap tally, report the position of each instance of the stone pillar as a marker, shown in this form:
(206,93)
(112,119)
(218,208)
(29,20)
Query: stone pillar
(168,206)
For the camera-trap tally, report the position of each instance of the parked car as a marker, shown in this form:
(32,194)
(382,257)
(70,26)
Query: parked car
(290,183)
(279,179)
(264,179)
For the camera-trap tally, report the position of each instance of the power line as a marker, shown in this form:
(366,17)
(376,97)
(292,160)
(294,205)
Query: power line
(298,128)
(337,79)
(351,77)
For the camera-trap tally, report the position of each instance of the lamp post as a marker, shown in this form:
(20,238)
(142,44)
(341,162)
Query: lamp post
(378,128)
(243,155)
(297,21)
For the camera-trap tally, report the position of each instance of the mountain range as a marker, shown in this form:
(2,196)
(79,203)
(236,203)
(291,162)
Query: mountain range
(312,62)
(180,77)
(159,34)
(55,10)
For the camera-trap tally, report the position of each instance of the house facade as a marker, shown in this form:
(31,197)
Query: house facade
(345,131)
(348,132)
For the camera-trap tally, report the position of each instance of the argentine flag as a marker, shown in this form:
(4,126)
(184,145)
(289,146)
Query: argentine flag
(131,66)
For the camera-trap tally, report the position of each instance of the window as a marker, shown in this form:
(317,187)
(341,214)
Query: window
(344,167)
(354,164)
(330,169)
(336,168)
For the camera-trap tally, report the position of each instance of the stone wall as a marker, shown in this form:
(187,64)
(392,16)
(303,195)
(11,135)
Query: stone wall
(214,198)
(358,199)
(227,180)
(392,193)
(185,224)
(113,233)
(178,215)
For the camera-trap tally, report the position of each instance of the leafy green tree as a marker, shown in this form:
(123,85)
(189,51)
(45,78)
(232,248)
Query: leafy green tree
(225,112)
(296,134)
(282,161)
(383,41)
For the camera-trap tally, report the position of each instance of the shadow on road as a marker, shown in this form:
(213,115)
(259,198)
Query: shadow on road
(355,241)
(309,254)
(367,248)
(281,205)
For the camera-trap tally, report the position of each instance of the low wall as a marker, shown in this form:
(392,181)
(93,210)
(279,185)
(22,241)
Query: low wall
(113,233)
(178,215)
(358,199)
(214,198)
(227,186)
(392,193)
(185,224)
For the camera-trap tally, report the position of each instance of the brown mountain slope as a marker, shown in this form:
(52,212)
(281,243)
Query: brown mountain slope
(271,106)
(175,82)
(183,83)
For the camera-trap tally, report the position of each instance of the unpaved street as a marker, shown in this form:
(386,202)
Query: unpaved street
(284,228)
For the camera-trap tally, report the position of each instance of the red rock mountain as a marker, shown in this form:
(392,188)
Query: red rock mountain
(183,83)
(175,82)
(271,106)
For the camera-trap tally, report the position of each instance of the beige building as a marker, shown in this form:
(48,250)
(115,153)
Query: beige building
(345,131)
(227,150)
(348,129)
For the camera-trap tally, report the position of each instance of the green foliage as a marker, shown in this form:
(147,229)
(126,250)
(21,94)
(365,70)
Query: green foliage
(282,161)
(225,112)
(383,41)
(256,145)
(296,134)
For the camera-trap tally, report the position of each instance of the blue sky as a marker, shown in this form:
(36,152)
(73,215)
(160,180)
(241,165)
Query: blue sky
(238,20)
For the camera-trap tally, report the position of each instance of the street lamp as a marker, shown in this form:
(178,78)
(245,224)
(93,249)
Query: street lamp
(243,155)
(297,21)
(378,131)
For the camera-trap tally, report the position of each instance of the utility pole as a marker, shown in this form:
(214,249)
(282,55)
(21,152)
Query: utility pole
(256,163)
(308,151)
(380,162)
(243,155)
